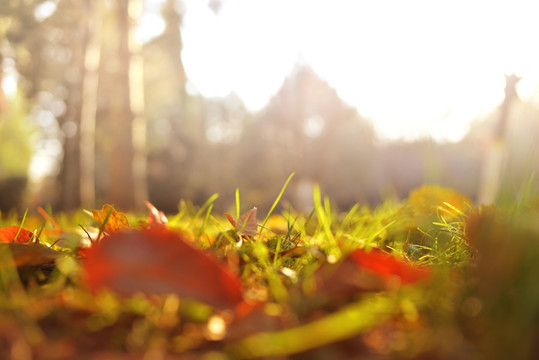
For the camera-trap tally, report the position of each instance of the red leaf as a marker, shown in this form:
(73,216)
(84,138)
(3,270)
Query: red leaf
(156,218)
(387,266)
(366,271)
(7,234)
(159,261)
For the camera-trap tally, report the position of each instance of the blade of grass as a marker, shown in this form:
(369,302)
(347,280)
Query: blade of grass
(47,217)
(280,239)
(179,215)
(203,207)
(277,249)
(87,234)
(277,200)
(350,320)
(527,191)
(237,203)
(38,233)
(102,226)
(349,216)
(203,227)
(324,221)
(22,223)
(311,214)
(452,207)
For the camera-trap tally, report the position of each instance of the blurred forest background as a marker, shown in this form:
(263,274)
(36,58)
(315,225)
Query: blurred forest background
(110,119)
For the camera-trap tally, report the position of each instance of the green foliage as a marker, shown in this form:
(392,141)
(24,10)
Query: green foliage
(17,139)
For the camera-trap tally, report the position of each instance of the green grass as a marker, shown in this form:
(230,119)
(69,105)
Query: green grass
(482,300)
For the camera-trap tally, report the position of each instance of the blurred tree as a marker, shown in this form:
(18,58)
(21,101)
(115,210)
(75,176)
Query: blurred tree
(114,124)
(54,44)
(70,22)
(306,128)
(92,58)
(50,42)
(44,42)
(172,128)
(21,37)
(165,80)
(187,143)
(127,183)
(495,157)
(3,100)
(17,138)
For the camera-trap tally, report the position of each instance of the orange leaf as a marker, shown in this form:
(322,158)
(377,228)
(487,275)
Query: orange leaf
(117,221)
(159,261)
(7,234)
(155,217)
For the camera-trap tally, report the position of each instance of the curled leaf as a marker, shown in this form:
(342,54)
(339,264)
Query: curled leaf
(159,261)
(29,254)
(231,219)
(246,225)
(155,217)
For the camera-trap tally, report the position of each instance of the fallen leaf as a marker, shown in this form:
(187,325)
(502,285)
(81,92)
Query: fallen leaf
(159,261)
(156,218)
(29,254)
(9,235)
(246,225)
(366,270)
(116,221)
(388,267)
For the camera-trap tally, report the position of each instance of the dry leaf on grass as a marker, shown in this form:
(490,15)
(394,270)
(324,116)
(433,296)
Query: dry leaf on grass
(159,261)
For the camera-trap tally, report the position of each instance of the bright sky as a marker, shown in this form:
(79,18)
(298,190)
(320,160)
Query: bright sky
(414,68)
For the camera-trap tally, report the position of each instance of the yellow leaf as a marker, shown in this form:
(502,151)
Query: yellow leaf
(428,198)
(116,221)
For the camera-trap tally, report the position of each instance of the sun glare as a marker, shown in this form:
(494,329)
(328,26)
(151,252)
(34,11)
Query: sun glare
(9,85)
(151,25)
(415,69)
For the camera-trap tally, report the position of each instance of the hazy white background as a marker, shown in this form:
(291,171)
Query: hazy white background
(415,68)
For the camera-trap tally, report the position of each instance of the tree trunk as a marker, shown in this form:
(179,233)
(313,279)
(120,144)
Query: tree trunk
(136,90)
(89,103)
(69,177)
(127,185)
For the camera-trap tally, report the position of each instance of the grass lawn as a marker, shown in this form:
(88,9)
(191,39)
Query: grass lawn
(431,277)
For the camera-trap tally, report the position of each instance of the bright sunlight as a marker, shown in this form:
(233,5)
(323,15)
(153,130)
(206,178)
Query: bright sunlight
(414,68)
